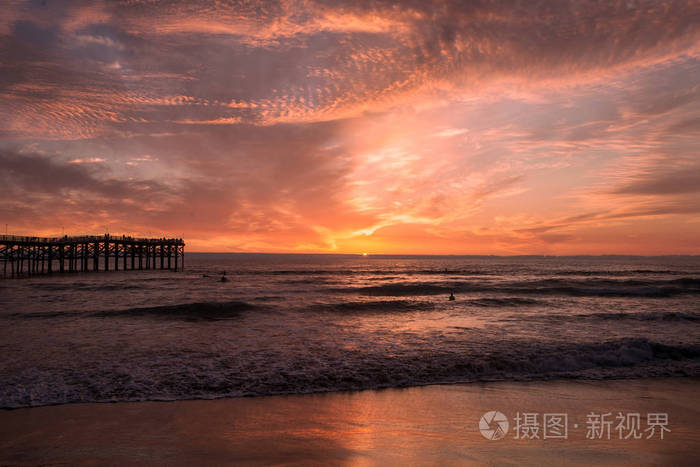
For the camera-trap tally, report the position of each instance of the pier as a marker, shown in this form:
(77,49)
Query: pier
(28,256)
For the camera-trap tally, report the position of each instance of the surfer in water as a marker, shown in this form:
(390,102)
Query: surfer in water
(452,296)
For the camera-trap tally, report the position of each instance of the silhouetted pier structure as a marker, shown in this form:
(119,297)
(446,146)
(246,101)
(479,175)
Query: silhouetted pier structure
(24,256)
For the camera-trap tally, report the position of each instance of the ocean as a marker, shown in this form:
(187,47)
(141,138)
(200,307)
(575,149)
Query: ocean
(288,324)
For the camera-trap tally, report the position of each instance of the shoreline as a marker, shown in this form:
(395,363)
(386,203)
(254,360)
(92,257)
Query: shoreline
(533,380)
(419,425)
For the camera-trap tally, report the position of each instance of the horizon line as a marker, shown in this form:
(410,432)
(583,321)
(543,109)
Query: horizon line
(439,255)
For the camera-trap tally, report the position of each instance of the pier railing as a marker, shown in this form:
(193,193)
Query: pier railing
(84,238)
(28,255)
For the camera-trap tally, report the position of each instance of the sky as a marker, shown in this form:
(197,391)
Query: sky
(416,127)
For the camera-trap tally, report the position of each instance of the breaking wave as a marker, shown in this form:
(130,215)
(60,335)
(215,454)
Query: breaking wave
(207,375)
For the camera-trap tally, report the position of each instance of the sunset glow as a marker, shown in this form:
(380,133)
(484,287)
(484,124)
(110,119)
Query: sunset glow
(563,127)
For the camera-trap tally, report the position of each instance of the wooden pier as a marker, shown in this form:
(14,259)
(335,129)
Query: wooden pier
(28,256)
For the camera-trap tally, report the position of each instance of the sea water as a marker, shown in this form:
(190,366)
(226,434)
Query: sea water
(284,324)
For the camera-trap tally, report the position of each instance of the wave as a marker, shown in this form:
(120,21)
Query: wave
(640,316)
(611,287)
(85,287)
(401,289)
(362,272)
(493,271)
(207,375)
(40,315)
(504,302)
(383,306)
(552,286)
(617,272)
(202,311)
(198,311)
(311,281)
(646,316)
(410,305)
(670,316)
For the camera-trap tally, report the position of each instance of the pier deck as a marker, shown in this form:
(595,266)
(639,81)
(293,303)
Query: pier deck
(23,256)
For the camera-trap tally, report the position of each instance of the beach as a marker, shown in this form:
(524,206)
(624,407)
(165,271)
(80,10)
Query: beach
(430,425)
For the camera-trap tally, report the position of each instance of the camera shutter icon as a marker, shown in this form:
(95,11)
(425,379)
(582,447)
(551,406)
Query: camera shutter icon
(493,425)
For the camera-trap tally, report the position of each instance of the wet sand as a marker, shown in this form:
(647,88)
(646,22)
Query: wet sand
(432,425)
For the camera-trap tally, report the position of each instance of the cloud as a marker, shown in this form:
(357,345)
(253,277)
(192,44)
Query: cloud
(299,124)
(667,182)
(305,61)
(38,173)
(447,132)
(495,187)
